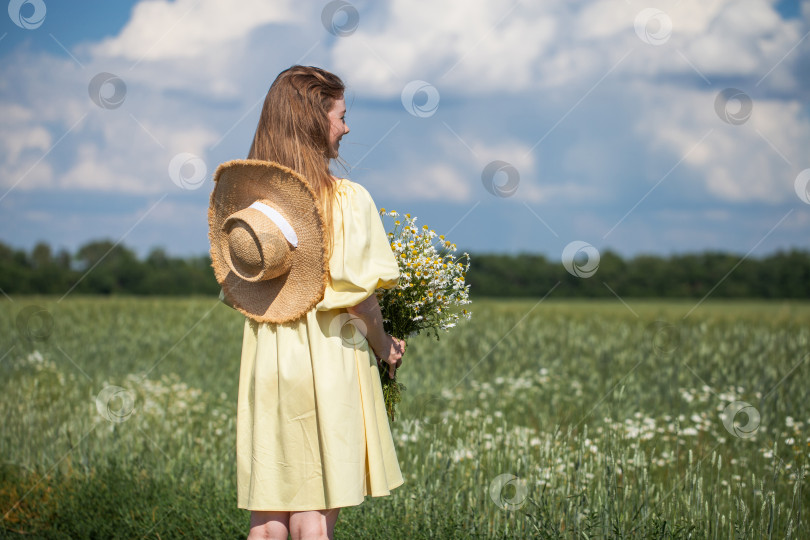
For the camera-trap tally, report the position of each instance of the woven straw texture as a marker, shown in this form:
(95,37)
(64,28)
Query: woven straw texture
(238,184)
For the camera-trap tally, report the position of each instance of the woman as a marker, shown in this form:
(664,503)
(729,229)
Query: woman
(312,432)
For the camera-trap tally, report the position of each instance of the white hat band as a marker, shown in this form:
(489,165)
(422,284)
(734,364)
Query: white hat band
(283,225)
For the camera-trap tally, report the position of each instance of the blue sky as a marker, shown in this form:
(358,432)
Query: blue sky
(605,121)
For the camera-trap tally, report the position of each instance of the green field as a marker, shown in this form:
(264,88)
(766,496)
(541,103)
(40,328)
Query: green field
(534,419)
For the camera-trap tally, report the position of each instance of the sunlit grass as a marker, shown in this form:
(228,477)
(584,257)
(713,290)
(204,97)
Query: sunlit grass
(551,419)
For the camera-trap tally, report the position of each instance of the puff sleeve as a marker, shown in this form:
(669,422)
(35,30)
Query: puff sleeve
(362,260)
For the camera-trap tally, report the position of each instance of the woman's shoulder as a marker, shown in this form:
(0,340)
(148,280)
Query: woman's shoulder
(348,187)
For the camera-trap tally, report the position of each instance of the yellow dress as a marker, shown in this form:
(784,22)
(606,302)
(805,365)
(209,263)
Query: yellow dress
(312,431)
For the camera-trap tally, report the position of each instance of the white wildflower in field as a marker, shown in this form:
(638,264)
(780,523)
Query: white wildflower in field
(35,358)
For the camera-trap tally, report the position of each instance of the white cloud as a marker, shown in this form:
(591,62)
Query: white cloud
(750,162)
(501,46)
(14,113)
(25,138)
(187,29)
(435,182)
(22,142)
(445,43)
(453,170)
(27,173)
(94,171)
(744,38)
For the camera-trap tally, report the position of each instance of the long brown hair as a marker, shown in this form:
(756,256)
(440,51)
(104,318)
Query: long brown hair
(293,130)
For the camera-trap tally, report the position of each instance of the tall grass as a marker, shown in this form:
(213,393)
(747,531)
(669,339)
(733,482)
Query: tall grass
(547,420)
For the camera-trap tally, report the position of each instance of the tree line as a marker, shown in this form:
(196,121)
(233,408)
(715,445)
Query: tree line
(104,267)
(784,274)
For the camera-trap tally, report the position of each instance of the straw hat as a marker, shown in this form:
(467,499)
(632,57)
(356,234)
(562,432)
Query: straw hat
(267,240)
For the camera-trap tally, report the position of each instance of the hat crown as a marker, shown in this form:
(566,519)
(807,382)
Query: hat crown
(255,247)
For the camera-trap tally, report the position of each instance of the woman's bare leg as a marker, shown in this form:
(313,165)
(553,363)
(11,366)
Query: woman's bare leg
(269,525)
(313,525)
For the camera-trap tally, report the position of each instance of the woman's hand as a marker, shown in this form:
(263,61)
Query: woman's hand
(391,353)
(386,348)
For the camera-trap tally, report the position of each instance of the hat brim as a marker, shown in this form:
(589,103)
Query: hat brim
(238,184)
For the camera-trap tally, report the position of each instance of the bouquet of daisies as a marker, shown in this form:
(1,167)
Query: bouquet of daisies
(431,284)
